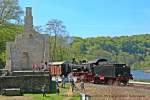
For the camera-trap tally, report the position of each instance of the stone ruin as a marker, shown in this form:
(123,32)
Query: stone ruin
(29,48)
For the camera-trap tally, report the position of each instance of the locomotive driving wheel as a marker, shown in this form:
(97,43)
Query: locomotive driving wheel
(125,83)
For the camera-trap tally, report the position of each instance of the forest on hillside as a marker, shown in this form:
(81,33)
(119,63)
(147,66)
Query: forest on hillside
(132,50)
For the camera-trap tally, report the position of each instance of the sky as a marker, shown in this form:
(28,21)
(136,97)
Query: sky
(91,18)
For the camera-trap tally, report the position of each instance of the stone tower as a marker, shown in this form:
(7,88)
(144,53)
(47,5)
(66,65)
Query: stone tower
(28,27)
(29,48)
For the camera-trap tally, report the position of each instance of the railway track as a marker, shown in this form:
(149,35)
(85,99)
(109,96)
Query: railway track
(134,91)
(135,85)
(140,85)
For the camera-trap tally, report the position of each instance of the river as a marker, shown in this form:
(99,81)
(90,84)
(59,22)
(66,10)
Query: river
(140,75)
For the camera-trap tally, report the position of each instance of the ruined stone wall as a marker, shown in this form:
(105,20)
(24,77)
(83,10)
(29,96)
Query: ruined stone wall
(27,83)
(29,48)
(25,52)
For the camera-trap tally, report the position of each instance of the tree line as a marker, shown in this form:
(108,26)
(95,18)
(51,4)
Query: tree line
(132,50)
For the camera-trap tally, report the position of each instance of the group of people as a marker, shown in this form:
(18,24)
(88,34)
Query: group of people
(72,83)
(74,87)
(62,85)
(41,66)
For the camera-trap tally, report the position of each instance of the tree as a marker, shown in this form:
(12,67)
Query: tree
(56,29)
(9,11)
(7,33)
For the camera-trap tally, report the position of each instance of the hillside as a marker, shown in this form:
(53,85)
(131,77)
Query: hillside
(133,50)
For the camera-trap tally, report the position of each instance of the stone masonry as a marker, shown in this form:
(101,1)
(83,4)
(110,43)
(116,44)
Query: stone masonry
(29,48)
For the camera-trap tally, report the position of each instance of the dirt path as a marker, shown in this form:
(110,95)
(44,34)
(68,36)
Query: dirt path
(105,92)
(15,98)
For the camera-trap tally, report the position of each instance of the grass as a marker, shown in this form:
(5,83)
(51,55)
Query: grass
(95,92)
(40,97)
(62,96)
(48,97)
(52,97)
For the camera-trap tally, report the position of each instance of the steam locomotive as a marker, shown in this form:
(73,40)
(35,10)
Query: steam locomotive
(98,71)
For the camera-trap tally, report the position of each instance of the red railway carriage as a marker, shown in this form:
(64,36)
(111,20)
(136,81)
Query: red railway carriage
(58,68)
(55,70)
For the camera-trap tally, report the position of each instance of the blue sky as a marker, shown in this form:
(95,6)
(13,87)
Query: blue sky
(90,18)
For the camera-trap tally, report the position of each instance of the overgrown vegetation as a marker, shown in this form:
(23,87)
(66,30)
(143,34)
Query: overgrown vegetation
(10,11)
(7,33)
(62,96)
(133,50)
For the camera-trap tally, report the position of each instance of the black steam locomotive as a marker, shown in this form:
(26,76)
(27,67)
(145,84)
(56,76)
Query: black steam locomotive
(99,71)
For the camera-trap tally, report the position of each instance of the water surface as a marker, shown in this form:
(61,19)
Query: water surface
(140,75)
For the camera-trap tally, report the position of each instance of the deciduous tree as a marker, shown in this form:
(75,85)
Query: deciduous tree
(10,11)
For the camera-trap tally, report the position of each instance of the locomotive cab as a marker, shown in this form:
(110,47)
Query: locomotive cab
(111,73)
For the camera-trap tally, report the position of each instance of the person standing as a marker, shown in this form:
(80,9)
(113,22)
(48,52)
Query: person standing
(56,78)
(57,89)
(72,84)
(63,81)
(44,90)
(82,86)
